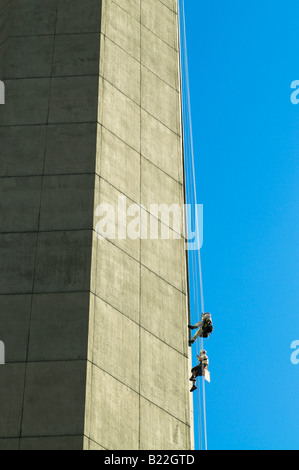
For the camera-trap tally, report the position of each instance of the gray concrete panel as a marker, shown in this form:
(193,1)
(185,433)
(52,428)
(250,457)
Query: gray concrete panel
(58,329)
(54,399)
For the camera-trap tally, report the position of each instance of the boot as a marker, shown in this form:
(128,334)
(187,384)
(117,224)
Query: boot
(191,327)
(193,388)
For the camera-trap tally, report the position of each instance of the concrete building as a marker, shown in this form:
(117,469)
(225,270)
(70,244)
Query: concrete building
(95,330)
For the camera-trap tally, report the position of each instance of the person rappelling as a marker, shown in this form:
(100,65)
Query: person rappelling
(201,370)
(204,327)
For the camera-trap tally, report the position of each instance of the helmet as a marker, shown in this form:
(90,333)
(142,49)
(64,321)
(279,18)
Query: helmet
(207,315)
(202,352)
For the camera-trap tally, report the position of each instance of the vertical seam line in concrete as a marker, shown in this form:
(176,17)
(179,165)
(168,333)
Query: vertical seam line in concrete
(140,246)
(38,226)
(143,25)
(143,65)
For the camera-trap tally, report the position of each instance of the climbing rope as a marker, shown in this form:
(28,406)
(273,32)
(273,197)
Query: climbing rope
(195,265)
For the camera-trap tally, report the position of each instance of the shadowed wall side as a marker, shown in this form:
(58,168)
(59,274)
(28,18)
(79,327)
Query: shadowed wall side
(49,63)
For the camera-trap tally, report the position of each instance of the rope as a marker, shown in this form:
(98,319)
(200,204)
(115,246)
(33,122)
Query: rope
(190,177)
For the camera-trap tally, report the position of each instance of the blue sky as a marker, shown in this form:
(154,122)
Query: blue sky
(243,57)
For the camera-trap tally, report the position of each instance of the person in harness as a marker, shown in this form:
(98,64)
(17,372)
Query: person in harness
(199,370)
(204,327)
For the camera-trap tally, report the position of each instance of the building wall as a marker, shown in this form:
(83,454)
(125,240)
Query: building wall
(95,330)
